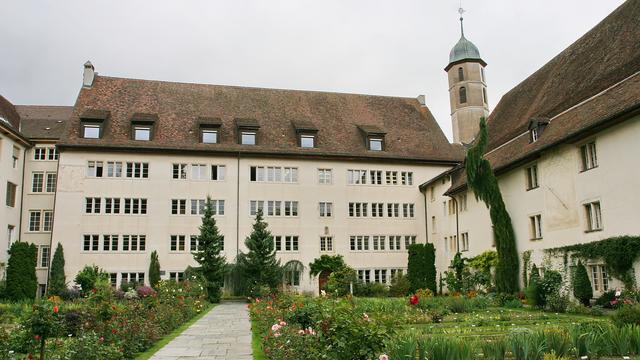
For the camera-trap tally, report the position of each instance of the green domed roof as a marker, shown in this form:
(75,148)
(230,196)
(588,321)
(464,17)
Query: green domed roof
(463,50)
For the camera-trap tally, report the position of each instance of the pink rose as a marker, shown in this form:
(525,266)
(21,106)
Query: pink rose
(383,357)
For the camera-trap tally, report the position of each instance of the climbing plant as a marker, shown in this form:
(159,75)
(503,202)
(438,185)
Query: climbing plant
(329,263)
(484,184)
(619,253)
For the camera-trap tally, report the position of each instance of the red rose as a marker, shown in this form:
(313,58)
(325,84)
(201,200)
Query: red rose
(113,331)
(37,337)
(30,356)
(413,299)
(55,309)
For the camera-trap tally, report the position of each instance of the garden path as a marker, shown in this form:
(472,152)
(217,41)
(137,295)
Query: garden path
(222,334)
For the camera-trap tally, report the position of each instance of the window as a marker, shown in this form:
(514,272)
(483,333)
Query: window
(132,277)
(359,243)
(460,74)
(376,144)
(274,208)
(484,95)
(110,242)
(248,138)
(433,225)
(326,209)
(209,136)
(407,178)
(395,242)
(533,135)
(532,177)
(482,74)
(11,235)
(37,182)
(432,194)
(377,210)
(589,156)
(290,208)
(291,174)
(134,242)
(142,132)
(324,176)
(393,210)
(273,174)
(326,243)
(177,276)
(453,243)
(218,172)
(194,243)
(307,141)
(92,205)
(356,177)
(594,216)
(379,242)
(292,278)
(52,153)
(599,278)
(392,177)
(255,206)
(409,240)
(465,241)
(178,242)
(45,252)
(40,154)
(408,210)
(35,218)
(286,243)
(179,171)
(376,177)
(198,172)
(91,130)
(358,209)
(113,279)
(197,206)
(90,242)
(451,206)
(463,95)
(137,170)
(135,206)
(217,207)
(94,168)
(111,205)
(52,180)
(364,275)
(536,227)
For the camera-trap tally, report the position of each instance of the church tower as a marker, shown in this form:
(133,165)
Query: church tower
(467,89)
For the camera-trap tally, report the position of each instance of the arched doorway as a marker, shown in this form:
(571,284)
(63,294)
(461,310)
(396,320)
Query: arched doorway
(322,279)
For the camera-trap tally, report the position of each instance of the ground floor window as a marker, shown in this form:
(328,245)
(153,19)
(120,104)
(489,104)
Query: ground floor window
(599,278)
(293,273)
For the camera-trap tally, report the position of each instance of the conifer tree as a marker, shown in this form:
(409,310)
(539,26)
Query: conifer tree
(582,285)
(57,278)
(533,290)
(259,265)
(210,245)
(154,270)
(22,282)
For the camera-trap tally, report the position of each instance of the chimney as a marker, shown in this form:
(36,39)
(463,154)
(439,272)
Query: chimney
(422,100)
(88,75)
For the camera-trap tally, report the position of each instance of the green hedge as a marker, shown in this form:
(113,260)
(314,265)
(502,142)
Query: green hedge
(421,268)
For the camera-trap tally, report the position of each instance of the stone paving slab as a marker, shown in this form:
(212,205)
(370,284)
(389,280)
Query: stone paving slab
(223,334)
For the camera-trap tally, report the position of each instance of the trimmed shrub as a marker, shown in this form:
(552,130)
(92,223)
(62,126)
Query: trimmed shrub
(57,278)
(421,268)
(22,282)
(154,269)
(582,285)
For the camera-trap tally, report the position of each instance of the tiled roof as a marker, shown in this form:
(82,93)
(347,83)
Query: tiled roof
(591,84)
(43,122)
(604,56)
(412,133)
(8,114)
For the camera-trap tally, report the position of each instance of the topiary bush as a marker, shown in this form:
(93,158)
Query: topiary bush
(22,282)
(582,285)
(421,268)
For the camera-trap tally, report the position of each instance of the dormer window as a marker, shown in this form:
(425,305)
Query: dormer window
(142,132)
(376,144)
(209,130)
(209,136)
(374,137)
(536,127)
(92,123)
(91,130)
(306,132)
(247,131)
(142,126)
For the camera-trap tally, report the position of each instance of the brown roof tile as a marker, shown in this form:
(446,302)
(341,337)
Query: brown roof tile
(9,114)
(43,122)
(412,134)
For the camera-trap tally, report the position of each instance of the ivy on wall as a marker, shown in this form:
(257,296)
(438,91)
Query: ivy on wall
(618,253)
(484,184)
(326,263)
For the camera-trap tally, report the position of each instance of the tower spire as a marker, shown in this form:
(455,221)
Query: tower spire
(461,11)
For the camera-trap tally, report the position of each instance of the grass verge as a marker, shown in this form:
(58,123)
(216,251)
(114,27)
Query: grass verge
(167,338)
(256,344)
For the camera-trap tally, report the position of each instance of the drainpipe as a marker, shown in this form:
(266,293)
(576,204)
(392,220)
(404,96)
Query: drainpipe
(426,217)
(238,207)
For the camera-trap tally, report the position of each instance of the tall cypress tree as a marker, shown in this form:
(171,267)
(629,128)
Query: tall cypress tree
(154,269)
(582,285)
(259,266)
(22,282)
(210,245)
(484,184)
(57,279)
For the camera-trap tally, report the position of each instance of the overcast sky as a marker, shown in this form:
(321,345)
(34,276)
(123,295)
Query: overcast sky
(397,47)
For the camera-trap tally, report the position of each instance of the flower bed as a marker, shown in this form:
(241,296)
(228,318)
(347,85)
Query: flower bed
(104,325)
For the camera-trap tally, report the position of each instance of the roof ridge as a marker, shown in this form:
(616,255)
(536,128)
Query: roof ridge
(257,87)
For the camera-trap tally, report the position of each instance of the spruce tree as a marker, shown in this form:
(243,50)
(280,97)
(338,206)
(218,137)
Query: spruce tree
(259,265)
(57,279)
(154,270)
(22,282)
(210,245)
(582,285)
(533,290)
